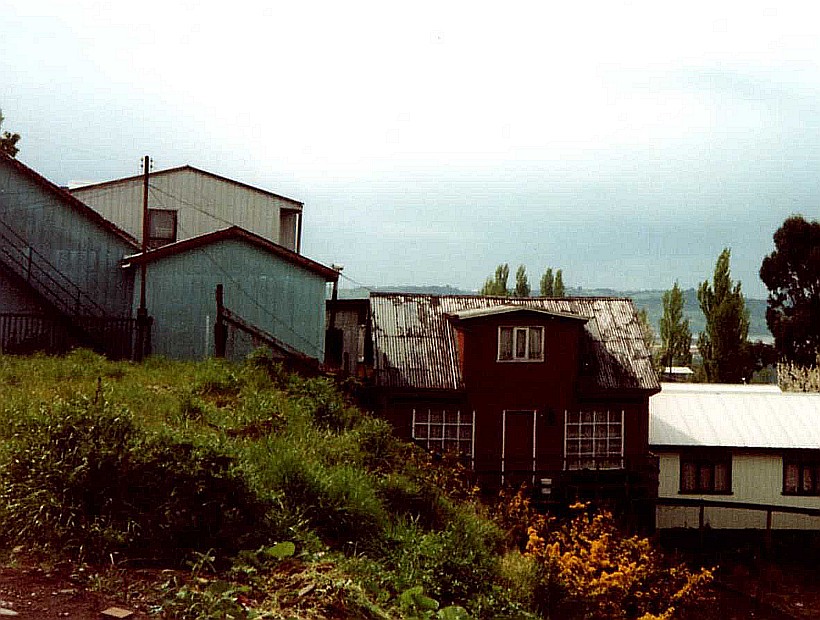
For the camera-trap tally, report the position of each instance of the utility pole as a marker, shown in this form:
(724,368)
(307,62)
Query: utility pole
(143,324)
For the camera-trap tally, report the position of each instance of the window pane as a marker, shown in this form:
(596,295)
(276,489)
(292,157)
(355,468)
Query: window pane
(688,480)
(808,479)
(705,482)
(790,478)
(162,224)
(722,477)
(536,343)
(505,347)
(520,343)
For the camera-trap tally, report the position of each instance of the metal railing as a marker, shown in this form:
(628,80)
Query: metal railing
(26,333)
(49,282)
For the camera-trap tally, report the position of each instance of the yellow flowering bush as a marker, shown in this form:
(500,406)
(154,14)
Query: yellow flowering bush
(587,569)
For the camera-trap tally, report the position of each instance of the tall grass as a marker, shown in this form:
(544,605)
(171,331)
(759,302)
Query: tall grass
(157,460)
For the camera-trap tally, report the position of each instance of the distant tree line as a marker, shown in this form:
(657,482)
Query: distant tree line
(552,284)
(792,275)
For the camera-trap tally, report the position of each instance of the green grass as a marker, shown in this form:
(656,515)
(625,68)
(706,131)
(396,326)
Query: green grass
(160,461)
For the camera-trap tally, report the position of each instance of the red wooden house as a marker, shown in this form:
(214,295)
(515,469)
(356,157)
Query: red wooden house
(551,392)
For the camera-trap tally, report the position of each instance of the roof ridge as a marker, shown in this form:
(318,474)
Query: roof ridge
(166,171)
(70,199)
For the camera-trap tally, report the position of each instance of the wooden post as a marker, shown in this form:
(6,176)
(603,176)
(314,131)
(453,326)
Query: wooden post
(143,323)
(220,329)
(768,539)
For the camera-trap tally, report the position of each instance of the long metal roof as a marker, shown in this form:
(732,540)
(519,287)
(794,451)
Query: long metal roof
(414,342)
(755,417)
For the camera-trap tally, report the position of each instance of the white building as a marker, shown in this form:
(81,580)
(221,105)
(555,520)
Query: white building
(740,444)
(187,202)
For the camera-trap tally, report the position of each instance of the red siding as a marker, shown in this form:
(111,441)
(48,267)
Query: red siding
(548,387)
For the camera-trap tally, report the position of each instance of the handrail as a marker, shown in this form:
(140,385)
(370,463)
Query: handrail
(697,502)
(49,281)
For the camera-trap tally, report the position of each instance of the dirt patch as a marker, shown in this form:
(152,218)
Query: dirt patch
(57,593)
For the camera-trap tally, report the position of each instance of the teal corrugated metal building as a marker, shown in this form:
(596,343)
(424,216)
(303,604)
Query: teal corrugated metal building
(87,267)
(274,289)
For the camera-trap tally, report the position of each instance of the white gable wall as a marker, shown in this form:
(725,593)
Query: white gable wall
(203,204)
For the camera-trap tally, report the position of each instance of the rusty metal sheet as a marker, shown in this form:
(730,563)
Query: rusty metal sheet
(415,345)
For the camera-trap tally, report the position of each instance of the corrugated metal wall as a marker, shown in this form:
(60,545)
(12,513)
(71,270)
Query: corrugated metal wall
(204,204)
(83,250)
(272,294)
(756,478)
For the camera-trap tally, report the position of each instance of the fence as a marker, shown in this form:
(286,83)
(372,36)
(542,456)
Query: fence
(31,333)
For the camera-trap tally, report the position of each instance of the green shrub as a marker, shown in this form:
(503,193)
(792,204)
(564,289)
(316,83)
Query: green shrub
(81,477)
(324,402)
(453,565)
(407,498)
(339,502)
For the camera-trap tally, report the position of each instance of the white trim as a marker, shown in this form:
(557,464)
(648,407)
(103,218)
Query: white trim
(441,442)
(503,445)
(534,440)
(526,329)
(593,456)
(504,440)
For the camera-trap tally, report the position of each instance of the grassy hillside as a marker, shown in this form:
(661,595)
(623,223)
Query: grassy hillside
(285,501)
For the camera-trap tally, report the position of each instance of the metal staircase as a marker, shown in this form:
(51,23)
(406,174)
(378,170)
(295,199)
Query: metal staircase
(86,320)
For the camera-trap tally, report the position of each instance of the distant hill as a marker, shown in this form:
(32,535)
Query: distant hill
(651,301)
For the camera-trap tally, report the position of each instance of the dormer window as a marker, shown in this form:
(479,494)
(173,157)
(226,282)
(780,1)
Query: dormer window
(520,344)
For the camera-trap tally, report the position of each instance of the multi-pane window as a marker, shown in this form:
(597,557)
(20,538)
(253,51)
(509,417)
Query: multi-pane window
(594,440)
(162,227)
(444,431)
(521,344)
(706,473)
(800,477)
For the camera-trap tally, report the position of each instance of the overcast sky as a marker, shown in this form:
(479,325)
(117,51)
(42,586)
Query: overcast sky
(626,143)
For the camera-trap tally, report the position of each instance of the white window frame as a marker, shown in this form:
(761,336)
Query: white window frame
(466,445)
(579,459)
(527,331)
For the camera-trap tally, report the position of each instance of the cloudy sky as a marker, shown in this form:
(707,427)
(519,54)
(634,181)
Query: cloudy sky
(625,142)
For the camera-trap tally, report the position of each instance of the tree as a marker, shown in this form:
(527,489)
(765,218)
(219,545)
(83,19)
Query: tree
(723,341)
(547,283)
(522,285)
(647,333)
(676,338)
(558,286)
(497,286)
(8,141)
(792,275)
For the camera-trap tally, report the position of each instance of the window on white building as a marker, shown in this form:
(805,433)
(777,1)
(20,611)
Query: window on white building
(706,473)
(800,476)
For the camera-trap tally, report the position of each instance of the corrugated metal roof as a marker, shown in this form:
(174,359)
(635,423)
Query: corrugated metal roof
(415,346)
(232,232)
(169,171)
(68,199)
(733,416)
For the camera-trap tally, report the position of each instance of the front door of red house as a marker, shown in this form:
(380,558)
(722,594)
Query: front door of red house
(518,448)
